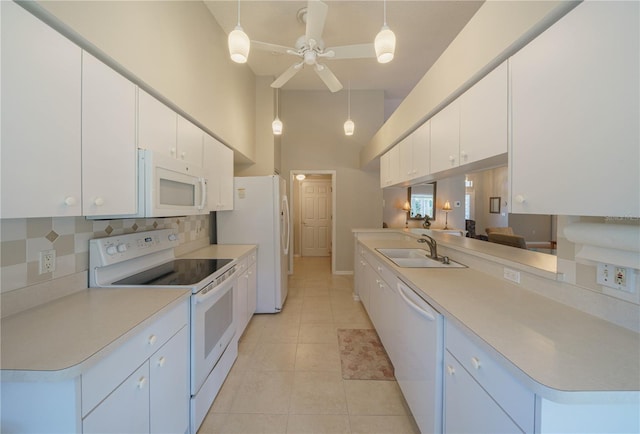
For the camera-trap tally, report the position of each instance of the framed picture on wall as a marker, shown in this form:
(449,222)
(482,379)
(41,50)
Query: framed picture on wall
(494,205)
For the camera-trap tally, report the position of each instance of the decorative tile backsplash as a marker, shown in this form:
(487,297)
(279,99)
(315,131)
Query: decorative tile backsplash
(22,240)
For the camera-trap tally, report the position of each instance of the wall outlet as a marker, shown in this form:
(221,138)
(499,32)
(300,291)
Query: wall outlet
(512,275)
(613,276)
(47,261)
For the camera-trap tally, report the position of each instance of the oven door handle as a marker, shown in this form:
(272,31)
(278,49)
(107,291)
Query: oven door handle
(216,292)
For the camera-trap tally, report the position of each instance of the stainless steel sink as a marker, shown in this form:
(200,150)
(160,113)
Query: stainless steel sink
(417,258)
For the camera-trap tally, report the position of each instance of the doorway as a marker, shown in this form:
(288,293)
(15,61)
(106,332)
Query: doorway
(313,196)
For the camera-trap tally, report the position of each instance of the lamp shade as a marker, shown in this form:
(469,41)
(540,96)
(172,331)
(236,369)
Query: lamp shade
(406,206)
(239,45)
(349,127)
(447,206)
(385,44)
(276,126)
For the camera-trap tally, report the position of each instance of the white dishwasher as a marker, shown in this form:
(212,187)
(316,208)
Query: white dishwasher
(419,369)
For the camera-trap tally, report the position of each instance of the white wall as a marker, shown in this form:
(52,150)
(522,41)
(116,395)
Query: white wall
(313,139)
(178,49)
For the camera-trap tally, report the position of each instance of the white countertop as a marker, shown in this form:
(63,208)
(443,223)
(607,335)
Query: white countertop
(218,251)
(61,339)
(552,348)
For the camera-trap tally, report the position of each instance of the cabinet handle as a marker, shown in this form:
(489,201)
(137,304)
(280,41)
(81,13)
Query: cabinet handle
(141,382)
(519,198)
(161,361)
(183,155)
(451,370)
(463,155)
(476,362)
(173,151)
(70,201)
(452,159)
(99,201)
(379,269)
(152,339)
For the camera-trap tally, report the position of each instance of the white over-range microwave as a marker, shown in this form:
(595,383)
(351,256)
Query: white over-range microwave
(169,187)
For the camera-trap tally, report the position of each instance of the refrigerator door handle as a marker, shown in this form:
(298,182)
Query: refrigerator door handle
(285,205)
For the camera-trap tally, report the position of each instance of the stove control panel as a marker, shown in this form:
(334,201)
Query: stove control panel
(120,248)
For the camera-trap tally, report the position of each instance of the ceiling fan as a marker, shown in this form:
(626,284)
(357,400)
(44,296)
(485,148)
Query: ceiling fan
(310,48)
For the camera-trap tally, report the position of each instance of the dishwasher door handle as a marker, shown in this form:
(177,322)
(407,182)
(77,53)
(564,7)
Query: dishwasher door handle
(413,305)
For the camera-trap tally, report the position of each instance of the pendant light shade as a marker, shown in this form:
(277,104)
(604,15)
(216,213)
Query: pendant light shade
(349,126)
(239,43)
(385,42)
(385,45)
(276,125)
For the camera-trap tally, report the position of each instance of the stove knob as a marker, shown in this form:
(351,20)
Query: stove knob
(111,250)
(173,237)
(122,248)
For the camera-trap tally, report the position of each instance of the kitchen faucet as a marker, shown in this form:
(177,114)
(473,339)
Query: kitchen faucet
(433,245)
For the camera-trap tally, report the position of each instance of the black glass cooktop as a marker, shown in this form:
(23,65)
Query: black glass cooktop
(177,272)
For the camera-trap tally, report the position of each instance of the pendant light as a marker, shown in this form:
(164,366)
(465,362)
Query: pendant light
(349,126)
(239,43)
(385,42)
(276,125)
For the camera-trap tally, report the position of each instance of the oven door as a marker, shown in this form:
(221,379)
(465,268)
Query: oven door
(212,328)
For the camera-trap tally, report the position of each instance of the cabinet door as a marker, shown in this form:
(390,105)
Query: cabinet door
(384,170)
(41,88)
(125,410)
(483,117)
(157,125)
(225,181)
(218,163)
(109,157)
(169,389)
(445,138)
(421,150)
(241,297)
(405,159)
(467,407)
(575,111)
(189,141)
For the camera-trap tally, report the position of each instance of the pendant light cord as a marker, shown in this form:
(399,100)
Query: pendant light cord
(239,12)
(384,6)
(349,100)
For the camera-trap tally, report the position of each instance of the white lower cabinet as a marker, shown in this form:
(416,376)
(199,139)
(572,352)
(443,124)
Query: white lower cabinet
(140,387)
(480,395)
(124,410)
(246,291)
(468,408)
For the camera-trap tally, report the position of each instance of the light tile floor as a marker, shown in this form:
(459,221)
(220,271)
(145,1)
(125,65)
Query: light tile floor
(287,378)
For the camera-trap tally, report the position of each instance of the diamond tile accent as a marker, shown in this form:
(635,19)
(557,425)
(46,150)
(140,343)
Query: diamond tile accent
(155,225)
(108,230)
(52,236)
(135,227)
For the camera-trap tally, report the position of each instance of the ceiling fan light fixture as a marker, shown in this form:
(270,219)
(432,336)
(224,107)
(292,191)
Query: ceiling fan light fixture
(385,44)
(239,45)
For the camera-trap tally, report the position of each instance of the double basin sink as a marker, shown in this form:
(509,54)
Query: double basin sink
(418,258)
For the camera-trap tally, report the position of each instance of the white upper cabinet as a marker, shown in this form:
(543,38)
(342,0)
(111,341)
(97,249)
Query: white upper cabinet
(218,163)
(109,157)
(421,154)
(483,117)
(390,167)
(575,115)
(157,125)
(41,168)
(189,142)
(445,138)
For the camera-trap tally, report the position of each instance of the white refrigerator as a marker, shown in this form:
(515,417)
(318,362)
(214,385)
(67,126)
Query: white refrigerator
(261,216)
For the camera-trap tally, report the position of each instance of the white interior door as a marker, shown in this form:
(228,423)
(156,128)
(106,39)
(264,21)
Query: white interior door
(315,198)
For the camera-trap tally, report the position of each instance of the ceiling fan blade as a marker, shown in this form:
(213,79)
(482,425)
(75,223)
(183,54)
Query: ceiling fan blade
(328,77)
(265,46)
(286,76)
(357,51)
(316,16)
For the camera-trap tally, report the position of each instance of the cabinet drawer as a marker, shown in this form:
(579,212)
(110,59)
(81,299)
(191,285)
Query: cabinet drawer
(382,269)
(510,394)
(104,377)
